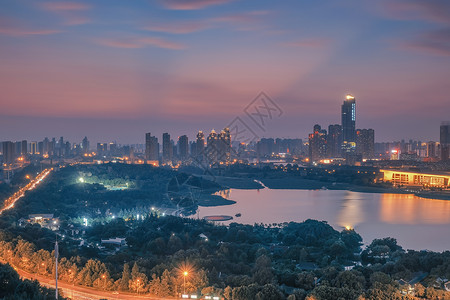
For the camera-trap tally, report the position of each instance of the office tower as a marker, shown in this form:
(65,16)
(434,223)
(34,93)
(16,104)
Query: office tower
(46,146)
(41,148)
(151,147)
(61,146)
(167,148)
(224,147)
(8,152)
(34,148)
(265,147)
(183,147)
(85,145)
(102,148)
(432,149)
(445,141)
(200,143)
(365,143)
(334,141)
(113,148)
(211,147)
(317,144)
(67,149)
(348,126)
(24,148)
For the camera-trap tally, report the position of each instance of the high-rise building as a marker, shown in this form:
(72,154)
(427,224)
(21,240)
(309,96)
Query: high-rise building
(445,141)
(102,148)
(8,152)
(24,148)
(317,144)
(265,147)
(85,145)
(200,143)
(151,147)
(334,141)
(167,148)
(211,147)
(224,145)
(365,143)
(348,115)
(183,147)
(34,148)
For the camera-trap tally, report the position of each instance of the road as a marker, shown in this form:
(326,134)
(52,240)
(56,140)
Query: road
(81,292)
(9,203)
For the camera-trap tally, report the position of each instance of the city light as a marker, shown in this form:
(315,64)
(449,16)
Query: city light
(81,179)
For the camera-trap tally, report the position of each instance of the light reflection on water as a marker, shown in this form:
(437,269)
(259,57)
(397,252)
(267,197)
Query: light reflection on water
(417,223)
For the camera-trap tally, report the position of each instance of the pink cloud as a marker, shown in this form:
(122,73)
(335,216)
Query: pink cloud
(178,28)
(191,4)
(70,12)
(437,11)
(141,42)
(27,32)
(65,6)
(434,42)
(309,43)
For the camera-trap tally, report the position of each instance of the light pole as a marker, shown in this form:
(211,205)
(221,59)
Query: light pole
(56,267)
(138,286)
(185,273)
(104,281)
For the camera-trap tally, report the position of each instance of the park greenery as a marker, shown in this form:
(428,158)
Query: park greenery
(168,255)
(14,288)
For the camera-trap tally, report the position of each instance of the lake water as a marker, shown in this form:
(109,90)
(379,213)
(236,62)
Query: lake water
(416,223)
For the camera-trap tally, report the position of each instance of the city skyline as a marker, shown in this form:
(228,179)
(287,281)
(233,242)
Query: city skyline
(116,71)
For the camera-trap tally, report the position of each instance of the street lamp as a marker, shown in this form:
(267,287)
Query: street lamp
(138,285)
(185,273)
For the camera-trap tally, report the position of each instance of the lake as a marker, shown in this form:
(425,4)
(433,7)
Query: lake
(416,223)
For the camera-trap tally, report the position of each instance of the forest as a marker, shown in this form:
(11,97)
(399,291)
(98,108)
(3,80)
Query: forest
(307,260)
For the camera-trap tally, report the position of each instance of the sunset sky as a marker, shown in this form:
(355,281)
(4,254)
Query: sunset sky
(113,70)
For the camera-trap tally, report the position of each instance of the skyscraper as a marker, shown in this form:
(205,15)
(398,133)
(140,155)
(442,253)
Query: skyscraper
(348,114)
(334,141)
(151,147)
(8,152)
(365,143)
(85,145)
(317,144)
(445,141)
(183,147)
(167,148)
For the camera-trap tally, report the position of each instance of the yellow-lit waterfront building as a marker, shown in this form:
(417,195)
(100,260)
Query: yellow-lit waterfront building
(411,178)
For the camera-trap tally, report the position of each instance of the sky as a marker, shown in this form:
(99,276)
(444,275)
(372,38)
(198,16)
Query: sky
(113,70)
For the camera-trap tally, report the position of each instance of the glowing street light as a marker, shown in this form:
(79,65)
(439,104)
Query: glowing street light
(81,179)
(185,273)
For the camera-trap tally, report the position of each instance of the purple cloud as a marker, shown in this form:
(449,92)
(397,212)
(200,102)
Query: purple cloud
(191,4)
(436,11)
(309,43)
(141,42)
(434,42)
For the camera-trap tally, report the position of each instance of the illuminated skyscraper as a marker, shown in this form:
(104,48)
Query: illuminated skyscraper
(365,143)
(317,144)
(348,126)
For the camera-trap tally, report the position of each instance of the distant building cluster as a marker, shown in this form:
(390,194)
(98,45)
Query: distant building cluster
(342,141)
(339,144)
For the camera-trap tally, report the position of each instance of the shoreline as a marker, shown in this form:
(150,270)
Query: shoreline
(293,183)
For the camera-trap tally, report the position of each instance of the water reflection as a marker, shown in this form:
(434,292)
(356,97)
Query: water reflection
(409,209)
(351,212)
(416,223)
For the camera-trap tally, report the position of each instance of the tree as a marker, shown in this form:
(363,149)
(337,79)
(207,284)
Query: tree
(126,277)
(270,292)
